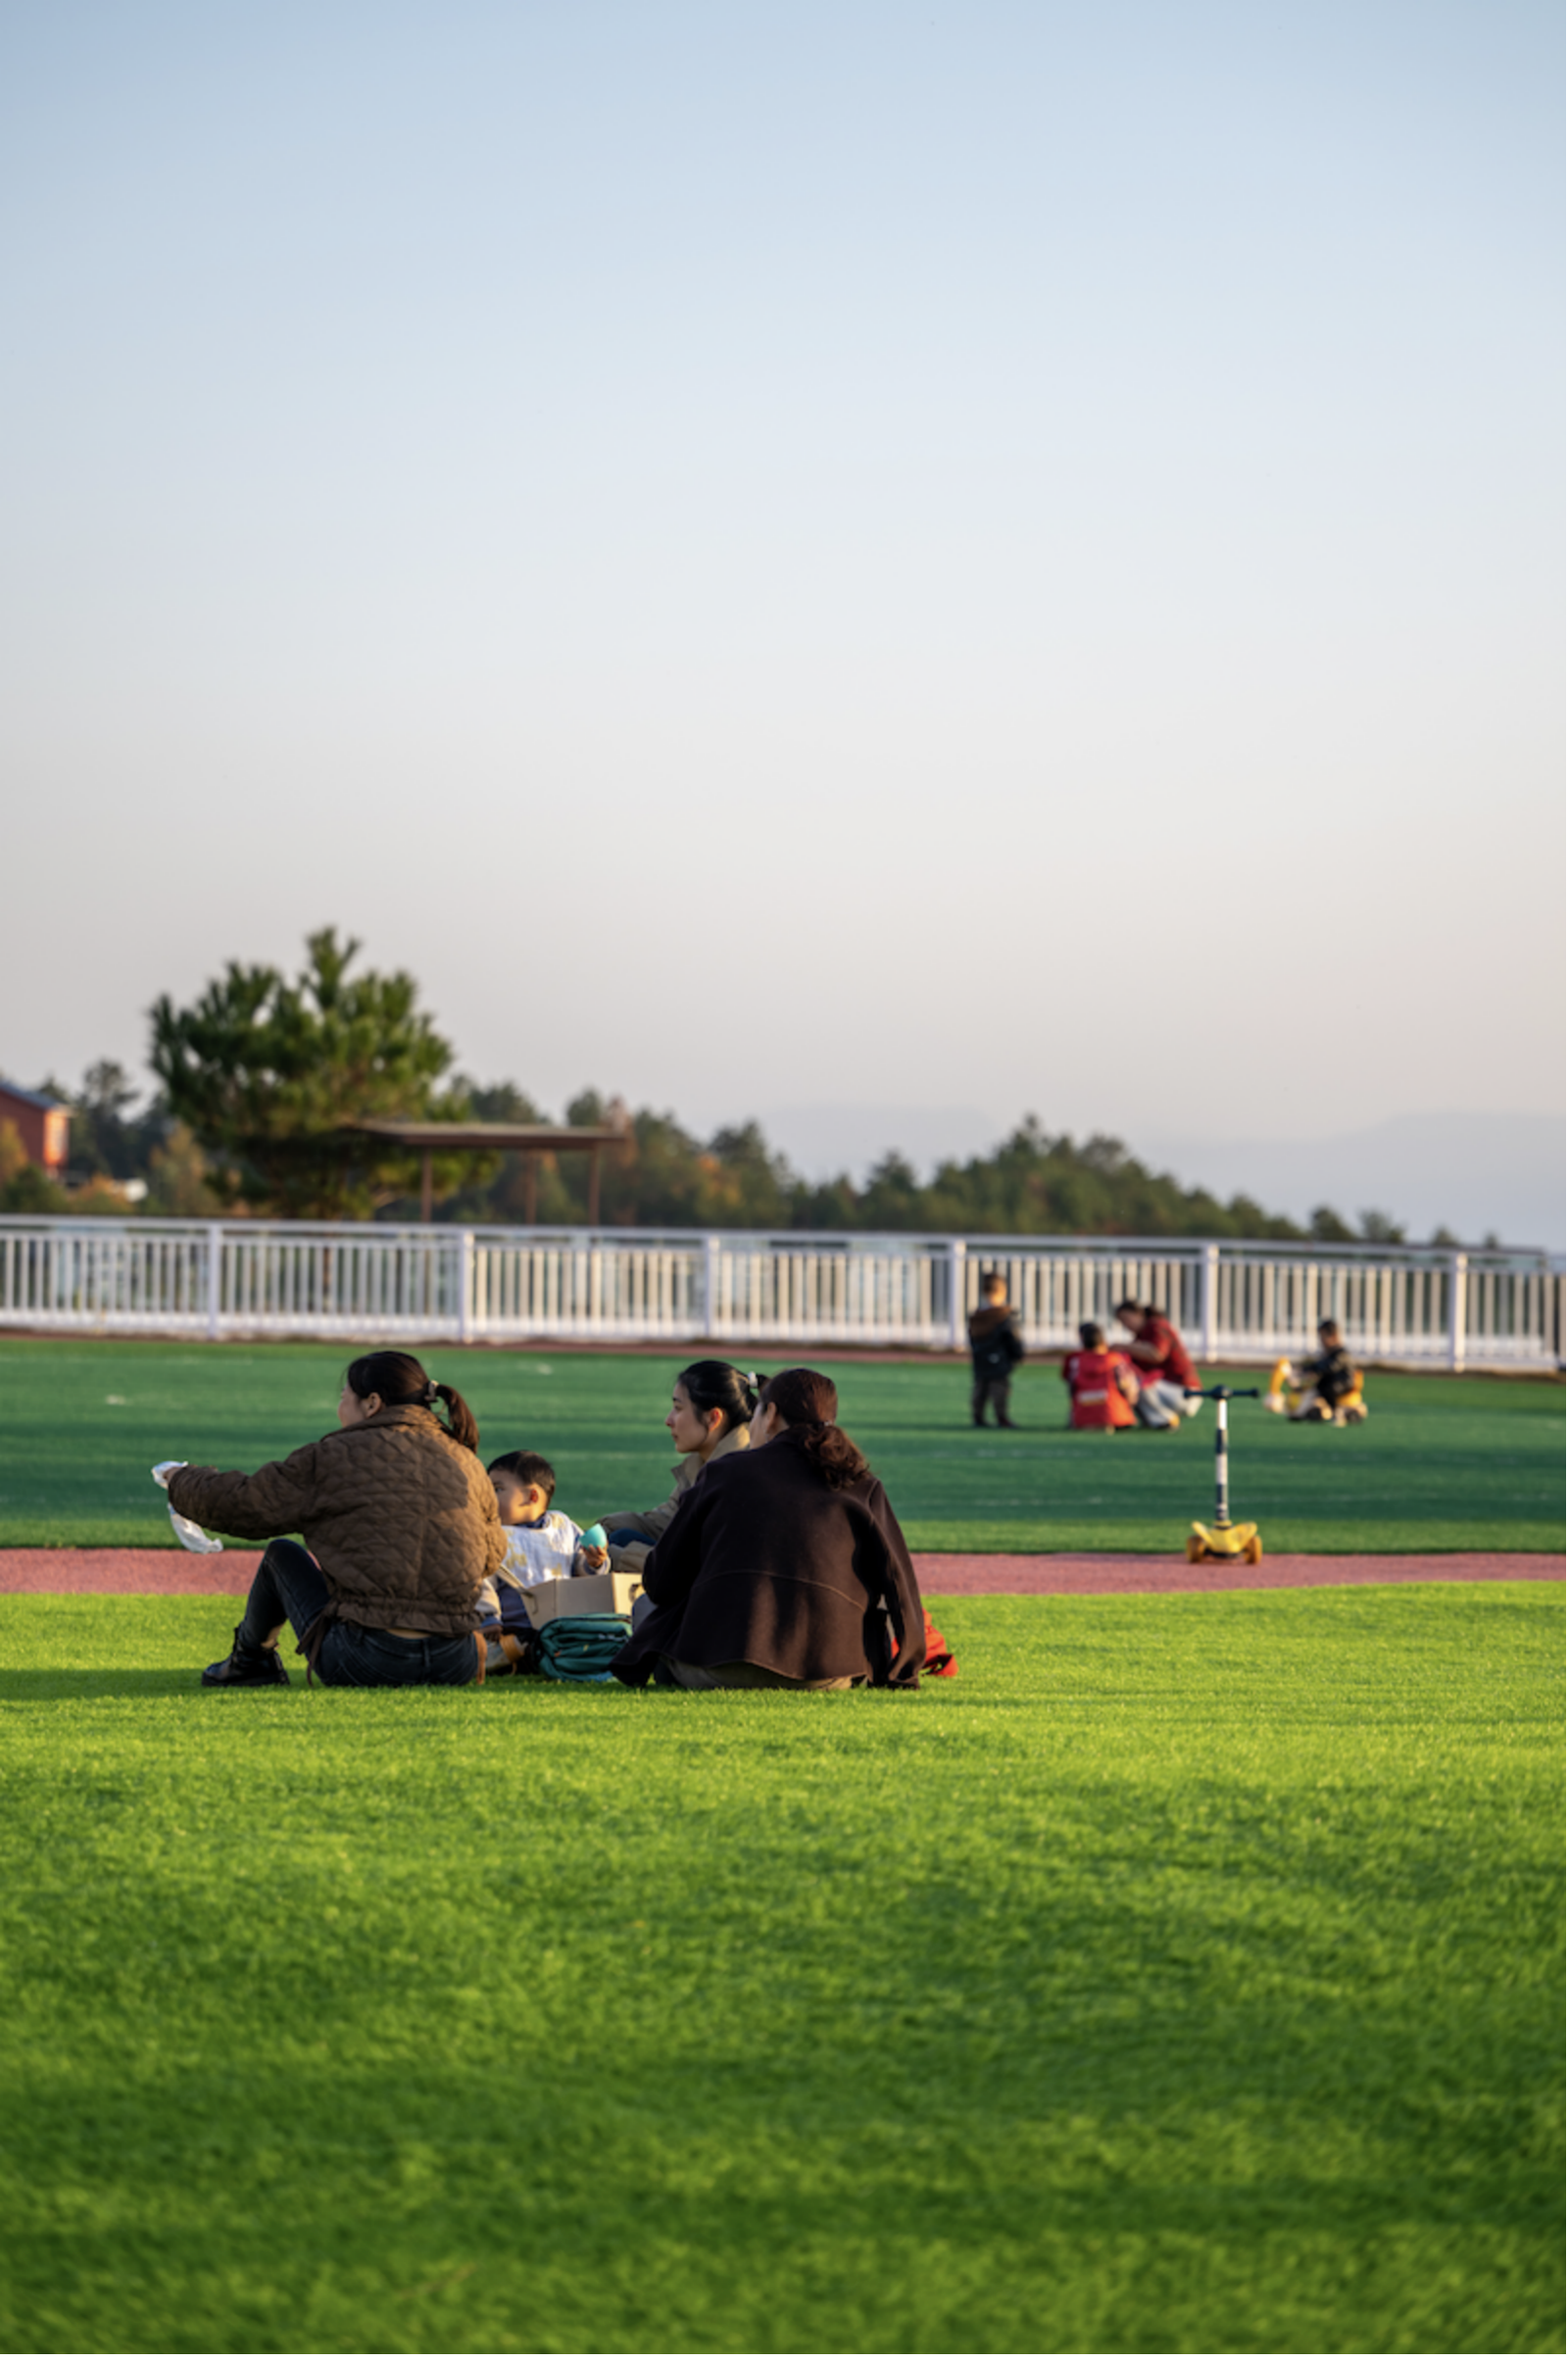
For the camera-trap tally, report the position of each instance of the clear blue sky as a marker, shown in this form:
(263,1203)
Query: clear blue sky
(989,555)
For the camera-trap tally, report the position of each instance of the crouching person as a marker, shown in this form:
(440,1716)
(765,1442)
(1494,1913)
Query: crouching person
(1166,1378)
(401,1530)
(783,1568)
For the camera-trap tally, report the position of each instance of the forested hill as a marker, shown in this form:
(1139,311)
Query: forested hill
(1034,1182)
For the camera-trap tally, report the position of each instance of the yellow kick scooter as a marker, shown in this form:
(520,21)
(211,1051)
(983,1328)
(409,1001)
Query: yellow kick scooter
(1223,1540)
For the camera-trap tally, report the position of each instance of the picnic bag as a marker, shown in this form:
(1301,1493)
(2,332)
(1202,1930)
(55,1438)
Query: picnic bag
(579,1649)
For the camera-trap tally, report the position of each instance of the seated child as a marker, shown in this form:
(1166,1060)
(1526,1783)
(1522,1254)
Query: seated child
(1329,1387)
(1102,1386)
(543,1546)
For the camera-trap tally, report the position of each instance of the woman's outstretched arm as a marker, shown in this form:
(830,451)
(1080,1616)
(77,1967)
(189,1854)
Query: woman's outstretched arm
(276,1499)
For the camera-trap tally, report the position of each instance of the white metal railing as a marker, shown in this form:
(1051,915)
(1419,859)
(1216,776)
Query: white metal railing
(1490,1308)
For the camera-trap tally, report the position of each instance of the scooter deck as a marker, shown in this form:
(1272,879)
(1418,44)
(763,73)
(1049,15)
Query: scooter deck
(1227,1542)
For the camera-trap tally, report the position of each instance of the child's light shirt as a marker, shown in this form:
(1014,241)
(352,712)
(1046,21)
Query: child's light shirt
(540,1553)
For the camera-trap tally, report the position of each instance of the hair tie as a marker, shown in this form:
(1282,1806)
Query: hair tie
(431,1391)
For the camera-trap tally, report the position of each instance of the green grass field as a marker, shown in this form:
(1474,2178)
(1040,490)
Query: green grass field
(1184,1976)
(1443,1465)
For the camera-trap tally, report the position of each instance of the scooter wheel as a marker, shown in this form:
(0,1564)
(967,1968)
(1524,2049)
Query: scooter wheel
(1253,1553)
(1195,1551)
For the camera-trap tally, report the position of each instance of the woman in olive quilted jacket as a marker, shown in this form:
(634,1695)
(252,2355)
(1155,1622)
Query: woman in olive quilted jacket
(402,1528)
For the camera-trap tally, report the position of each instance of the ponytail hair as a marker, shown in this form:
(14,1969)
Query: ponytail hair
(720,1386)
(809,1404)
(398,1379)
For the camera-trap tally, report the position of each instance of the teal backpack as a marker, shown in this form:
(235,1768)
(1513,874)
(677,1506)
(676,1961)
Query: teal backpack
(580,1647)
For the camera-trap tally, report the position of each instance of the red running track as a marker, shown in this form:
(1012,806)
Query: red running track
(944,1575)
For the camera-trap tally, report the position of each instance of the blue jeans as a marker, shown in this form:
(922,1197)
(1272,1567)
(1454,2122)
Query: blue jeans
(290,1588)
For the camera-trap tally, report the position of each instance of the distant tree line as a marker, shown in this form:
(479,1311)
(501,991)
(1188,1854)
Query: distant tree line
(261,1082)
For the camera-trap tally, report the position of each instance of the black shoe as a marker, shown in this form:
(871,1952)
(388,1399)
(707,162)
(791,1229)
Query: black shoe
(246,1668)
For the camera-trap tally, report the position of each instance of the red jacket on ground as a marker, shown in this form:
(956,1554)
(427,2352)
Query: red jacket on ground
(1092,1381)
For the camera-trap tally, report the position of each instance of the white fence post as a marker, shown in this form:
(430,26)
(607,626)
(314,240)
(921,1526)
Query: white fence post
(710,1254)
(1458,1276)
(215,1277)
(957,1253)
(464,1286)
(1210,1350)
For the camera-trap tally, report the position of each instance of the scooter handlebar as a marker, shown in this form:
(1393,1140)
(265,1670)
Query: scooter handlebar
(1224,1394)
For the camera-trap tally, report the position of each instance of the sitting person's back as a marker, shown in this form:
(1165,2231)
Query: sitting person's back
(784,1565)
(1102,1386)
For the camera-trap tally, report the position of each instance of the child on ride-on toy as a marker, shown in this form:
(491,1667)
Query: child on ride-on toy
(1329,1387)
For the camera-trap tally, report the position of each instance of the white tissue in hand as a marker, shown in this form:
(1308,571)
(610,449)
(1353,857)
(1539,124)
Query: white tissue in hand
(188,1535)
(191,1535)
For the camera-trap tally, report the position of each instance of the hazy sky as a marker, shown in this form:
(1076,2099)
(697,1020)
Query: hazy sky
(956,557)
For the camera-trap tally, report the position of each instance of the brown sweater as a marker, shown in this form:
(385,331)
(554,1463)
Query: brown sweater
(763,1565)
(402,1520)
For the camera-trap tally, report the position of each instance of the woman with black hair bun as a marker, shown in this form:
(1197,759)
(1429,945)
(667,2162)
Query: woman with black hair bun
(403,1529)
(711,1406)
(785,1568)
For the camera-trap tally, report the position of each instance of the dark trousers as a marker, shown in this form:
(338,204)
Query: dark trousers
(289,1588)
(994,1391)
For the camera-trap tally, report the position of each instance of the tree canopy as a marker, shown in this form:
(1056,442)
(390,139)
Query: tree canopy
(271,1078)
(1033,1183)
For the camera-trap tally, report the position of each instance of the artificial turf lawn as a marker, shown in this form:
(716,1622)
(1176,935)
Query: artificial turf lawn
(1185,1974)
(1443,1465)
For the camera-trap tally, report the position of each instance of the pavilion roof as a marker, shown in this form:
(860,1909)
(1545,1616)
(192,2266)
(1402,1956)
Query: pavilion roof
(557,1138)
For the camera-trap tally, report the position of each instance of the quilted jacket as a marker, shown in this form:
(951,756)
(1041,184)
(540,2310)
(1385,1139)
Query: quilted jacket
(402,1520)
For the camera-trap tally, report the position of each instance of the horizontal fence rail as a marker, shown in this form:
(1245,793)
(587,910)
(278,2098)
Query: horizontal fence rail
(1483,1309)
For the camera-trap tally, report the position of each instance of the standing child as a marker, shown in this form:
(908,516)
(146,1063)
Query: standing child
(996,1347)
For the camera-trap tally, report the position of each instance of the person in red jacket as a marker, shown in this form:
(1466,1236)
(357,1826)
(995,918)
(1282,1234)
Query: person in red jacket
(1164,1365)
(1102,1387)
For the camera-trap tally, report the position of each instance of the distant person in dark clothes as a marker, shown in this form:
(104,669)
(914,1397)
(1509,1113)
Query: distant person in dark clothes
(783,1566)
(1164,1365)
(996,1347)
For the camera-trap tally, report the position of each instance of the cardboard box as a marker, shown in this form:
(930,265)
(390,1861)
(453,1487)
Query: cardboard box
(607,1595)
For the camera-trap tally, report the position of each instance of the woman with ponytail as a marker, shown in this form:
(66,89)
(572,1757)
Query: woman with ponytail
(709,1408)
(402,1528)
(785,1568)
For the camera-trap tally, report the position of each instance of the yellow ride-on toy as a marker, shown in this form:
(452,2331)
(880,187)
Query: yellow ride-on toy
(1229,1544)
